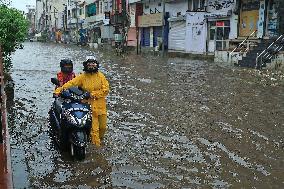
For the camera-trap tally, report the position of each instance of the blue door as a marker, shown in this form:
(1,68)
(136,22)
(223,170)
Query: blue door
(157,34)
(145,37)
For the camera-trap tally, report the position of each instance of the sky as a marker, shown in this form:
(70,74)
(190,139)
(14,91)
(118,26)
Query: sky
(21,4)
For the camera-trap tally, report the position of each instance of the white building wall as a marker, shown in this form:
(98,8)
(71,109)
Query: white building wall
(173,8)
(177,6)
(234,19)
(220,6)
(224,7)
(57,10)
(39,12)
(196,33)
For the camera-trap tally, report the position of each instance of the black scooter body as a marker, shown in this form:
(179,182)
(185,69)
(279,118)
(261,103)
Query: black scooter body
(70,121)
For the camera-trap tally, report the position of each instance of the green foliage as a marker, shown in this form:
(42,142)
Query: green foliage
(13,31)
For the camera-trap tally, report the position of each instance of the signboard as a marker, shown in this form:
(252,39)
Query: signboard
(260,27)
(220,23)
(150,20)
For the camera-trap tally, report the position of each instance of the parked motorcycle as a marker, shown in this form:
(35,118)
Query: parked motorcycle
(70,120)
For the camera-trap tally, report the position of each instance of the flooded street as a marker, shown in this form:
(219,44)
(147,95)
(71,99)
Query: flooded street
(173,123)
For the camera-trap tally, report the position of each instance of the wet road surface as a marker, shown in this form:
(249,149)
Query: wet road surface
(173,123)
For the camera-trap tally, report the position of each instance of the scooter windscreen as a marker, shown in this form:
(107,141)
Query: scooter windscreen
(78,109)
(75,94)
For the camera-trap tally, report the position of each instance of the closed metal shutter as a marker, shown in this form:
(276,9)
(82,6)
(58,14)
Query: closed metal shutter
(145,37)
(177,35)
(157,33)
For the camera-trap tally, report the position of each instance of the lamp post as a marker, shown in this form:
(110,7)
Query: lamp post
(163,30)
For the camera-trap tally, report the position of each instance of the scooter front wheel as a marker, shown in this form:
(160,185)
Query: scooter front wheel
(78,152)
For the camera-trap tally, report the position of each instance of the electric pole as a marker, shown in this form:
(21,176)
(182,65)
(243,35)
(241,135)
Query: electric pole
(163,30)
(124,22)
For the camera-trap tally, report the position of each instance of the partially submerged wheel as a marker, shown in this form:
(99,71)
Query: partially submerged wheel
(78,152)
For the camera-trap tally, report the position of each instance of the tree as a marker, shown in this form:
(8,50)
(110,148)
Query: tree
(5,2)
(13,31)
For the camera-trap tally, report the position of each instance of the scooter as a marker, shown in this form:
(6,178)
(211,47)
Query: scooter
(70,119)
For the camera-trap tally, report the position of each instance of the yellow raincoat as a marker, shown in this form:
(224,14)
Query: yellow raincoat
(97,85)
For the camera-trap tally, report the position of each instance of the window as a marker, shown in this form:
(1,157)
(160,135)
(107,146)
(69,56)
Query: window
(195,5)
(222,34)
(189,5)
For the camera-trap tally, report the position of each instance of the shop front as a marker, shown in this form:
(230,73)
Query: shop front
(151,29)
(222,24)
(218,35)
(177,33)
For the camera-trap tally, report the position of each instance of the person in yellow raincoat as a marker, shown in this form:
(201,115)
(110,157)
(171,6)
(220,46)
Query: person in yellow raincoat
(97,85)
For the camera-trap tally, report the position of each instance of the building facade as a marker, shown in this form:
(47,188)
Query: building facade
(190,26)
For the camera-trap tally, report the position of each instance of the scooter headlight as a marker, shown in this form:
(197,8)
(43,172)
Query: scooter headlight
(70,118)
(85,119)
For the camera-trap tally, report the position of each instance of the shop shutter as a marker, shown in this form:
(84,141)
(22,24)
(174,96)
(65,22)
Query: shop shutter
(157,33)
(145,37)
(177,35)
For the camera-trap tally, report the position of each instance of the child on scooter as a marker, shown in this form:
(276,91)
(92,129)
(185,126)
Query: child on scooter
(66,73)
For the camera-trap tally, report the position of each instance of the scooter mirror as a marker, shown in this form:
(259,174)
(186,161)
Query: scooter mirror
(55,81)
(65,94)
(87,95)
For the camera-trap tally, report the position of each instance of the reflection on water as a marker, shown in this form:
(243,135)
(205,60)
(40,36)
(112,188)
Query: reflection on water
(172,124)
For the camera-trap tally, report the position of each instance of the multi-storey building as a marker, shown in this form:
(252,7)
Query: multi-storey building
(97,21)
(151,24)
(30,16)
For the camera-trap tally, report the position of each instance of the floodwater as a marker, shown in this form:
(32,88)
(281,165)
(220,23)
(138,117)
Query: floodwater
(173,123)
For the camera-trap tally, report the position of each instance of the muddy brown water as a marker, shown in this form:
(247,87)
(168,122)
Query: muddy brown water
(173,123)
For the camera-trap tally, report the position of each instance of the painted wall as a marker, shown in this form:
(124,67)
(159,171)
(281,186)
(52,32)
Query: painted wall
(220,5)
(132,10)
(131,37)
(225,7)
(107,32)
(59,8)
(177,6)
(172,8)
(196,33)
(39,12)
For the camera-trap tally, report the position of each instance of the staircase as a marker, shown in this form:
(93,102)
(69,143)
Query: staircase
(262,53)
(269,53)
